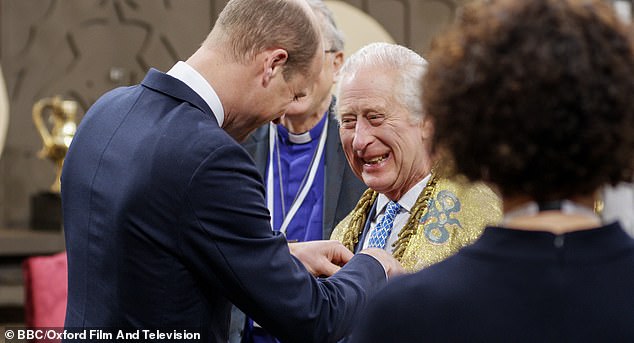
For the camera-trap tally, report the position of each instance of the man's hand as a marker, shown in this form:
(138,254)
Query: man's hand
(390,264)
(321,258)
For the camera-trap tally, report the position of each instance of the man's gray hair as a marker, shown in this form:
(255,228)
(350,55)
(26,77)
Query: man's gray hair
(333,36)
(409,66)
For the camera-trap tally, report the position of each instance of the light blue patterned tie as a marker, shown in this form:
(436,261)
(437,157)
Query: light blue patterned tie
(381,232)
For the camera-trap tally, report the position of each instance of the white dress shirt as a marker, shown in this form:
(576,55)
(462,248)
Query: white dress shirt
(619,205)
(198,84)
(407,201)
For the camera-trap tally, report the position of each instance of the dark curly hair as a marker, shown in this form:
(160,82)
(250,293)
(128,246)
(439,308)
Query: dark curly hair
(535,96)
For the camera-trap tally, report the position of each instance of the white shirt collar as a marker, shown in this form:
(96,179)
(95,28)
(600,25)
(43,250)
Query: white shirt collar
(407,201)
(198,84)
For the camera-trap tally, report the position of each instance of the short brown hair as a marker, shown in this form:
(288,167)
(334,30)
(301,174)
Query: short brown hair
(535,96)
(252,26)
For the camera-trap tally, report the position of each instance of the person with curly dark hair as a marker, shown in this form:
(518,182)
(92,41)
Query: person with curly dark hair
(535,98)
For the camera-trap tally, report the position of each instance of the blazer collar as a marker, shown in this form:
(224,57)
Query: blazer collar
(175,88)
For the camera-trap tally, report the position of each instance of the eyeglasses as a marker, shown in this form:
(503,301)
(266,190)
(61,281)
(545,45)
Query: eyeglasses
(329,51)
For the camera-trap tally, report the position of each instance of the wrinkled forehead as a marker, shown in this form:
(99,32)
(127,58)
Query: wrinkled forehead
(366,88)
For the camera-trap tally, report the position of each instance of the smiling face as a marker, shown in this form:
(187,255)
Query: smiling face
(386,147)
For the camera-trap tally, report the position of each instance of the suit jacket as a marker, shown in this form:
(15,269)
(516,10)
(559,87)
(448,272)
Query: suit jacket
(342,188)
(514,286)
(165,224)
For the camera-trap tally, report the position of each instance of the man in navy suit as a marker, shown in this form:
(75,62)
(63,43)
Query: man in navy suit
(309,185)
(164,211)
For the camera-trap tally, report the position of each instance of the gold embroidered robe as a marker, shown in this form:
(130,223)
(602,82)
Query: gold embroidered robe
(449,215)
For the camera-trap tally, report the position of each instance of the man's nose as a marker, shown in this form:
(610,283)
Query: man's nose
(362,135)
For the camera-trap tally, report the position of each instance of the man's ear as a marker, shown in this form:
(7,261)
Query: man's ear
(427,128)
(337,63)
(274,62)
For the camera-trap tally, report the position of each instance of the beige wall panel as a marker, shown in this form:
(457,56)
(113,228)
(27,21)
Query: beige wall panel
(392,14)
(427,19)
(79,49)
(359,28)
(412,23)
(356,3)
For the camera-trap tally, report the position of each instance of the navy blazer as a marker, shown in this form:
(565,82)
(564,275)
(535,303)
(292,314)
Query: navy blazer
(166,223)
(342,189)
(514,285)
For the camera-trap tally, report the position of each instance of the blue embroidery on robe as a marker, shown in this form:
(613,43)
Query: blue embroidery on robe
(439,216)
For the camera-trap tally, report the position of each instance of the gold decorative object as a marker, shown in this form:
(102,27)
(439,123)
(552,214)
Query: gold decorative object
(60,115)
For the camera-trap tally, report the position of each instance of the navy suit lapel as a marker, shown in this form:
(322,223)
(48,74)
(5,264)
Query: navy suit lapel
(259,150)
(175,88)
(366,228)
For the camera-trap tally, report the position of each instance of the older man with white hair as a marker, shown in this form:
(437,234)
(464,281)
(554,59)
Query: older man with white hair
(412,208)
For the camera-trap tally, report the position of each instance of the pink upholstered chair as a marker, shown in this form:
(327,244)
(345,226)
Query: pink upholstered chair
(46,290)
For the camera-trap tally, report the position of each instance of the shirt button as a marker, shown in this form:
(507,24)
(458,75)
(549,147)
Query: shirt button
(559,241)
